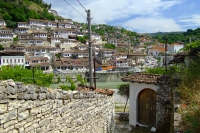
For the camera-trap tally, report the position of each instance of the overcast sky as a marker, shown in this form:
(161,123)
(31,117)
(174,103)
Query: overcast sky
(142,16)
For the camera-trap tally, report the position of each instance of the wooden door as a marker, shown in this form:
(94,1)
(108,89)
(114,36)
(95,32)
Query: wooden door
(147,107)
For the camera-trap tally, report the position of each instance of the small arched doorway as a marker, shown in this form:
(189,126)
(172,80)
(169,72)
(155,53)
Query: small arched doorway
(147,107)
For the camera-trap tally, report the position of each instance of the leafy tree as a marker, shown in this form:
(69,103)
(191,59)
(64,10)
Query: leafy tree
(109,46)
(81,39)
(80,79)
(72,82)
(58,79)
(1,47)
(123,90)
(156,70)
(15,38)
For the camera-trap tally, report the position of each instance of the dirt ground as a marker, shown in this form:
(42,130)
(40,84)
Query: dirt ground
(123,127)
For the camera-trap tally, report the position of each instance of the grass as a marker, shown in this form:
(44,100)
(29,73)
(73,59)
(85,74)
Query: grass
(119,109)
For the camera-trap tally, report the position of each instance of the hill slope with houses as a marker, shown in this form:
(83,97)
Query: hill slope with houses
(62,44)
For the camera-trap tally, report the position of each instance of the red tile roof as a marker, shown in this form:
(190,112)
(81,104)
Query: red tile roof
(142,78)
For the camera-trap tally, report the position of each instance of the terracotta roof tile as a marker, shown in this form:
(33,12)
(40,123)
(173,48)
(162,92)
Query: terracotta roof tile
(142,78)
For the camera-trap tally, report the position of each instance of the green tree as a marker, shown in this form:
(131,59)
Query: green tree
(80,79)
(123,90)
(1,47)
(109,46)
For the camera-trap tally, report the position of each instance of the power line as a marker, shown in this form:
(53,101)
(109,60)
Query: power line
(82,5)
(74,8)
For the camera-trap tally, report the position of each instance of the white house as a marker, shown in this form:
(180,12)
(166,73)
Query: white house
(42,62)
(61,32)
(12,57)
(2,23)
(142,98)
(155,51)
(77,53)
(41,23)
(40,35)
(21,30)
(31,41)
(23,25)
(107,52)
(175,47)
(6,35)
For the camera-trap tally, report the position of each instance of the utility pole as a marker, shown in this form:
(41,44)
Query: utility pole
(90,49)
(166,55)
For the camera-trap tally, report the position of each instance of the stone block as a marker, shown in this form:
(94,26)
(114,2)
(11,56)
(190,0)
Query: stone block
(13,131)
(51,95)
(42,96)
(12,97)
(59,95)
(32,127)
(8,129)
(31,89)
(2,89)
(35,111)
(11,90)
(23,115)
(3,108)
(14,104)
(43,89)
(44,122)
(12,84)
(9,123)
(27,124)
(8,116)
(29,96)
(22,89)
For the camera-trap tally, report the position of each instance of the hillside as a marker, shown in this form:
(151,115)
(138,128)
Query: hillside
(162,33)
(14,11)
(186,37)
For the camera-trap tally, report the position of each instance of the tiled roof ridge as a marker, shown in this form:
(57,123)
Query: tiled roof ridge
(142,78)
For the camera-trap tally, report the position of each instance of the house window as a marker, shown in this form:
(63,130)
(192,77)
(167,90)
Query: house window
(15,60)
(22,60)
(43,50)
(27,62)
(35,61)
(3,61)
(18,60)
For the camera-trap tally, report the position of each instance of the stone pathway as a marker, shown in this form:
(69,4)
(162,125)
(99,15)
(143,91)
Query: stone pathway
(122,127)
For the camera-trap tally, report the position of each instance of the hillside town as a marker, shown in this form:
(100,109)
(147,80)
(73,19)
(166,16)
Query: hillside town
(53,46)
(62,75)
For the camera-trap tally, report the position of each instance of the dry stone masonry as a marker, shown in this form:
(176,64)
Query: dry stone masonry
(29,108)
(164,103)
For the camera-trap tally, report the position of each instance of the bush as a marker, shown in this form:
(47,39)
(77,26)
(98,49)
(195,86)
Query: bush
(19,73)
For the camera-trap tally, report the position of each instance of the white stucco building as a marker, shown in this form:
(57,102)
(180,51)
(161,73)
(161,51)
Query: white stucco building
(142,98)
(12,57)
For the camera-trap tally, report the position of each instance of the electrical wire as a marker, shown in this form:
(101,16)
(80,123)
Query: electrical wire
(82,5)
(74,8)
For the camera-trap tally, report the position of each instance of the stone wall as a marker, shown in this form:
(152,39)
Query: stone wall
(164,105)
(29,108)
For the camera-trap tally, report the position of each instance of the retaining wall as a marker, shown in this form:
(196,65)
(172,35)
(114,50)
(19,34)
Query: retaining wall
(29,108)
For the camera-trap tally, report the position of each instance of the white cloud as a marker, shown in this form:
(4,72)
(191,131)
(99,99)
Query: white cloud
(109,11)
(150,25)
(193,20)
